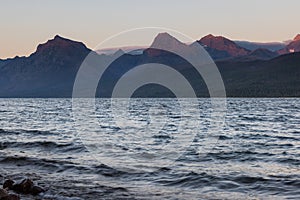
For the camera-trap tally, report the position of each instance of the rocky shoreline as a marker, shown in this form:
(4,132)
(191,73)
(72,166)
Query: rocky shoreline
(26,187)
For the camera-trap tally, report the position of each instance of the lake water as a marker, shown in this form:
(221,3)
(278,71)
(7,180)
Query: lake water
(256,154)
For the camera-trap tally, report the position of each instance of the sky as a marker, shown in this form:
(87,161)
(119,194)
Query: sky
(27,23)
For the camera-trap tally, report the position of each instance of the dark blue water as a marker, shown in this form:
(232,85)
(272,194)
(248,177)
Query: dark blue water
(256,154)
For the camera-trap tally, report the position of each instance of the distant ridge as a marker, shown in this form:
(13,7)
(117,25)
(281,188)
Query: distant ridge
(258,54)
(263,54)
(126,49)
(271,46)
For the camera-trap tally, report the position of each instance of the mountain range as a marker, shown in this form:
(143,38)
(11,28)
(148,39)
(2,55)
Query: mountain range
(51,70)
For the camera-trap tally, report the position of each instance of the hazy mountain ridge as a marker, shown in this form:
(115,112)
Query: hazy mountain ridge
(271,46)
(221,48)
(258,54)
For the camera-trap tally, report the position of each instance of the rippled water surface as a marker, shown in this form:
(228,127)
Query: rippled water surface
(256,154)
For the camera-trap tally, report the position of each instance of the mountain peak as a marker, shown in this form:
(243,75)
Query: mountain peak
(59,42)
(166,40)
(297,37)
(58,37)
(164,35)
(222,44)
(209,36)
(119,53)
(214,37)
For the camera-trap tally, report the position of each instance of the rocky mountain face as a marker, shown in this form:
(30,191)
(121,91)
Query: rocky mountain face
(49,71)
(220,47)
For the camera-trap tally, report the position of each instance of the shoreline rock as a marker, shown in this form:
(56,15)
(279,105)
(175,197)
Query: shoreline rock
(26,186)
(4,195)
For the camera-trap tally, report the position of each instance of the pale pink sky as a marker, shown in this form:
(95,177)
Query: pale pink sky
(25,24)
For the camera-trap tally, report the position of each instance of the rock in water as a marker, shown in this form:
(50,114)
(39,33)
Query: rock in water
(11,197)
(8,184)
(3,193)
(35,190)
(23,187)
(26,185)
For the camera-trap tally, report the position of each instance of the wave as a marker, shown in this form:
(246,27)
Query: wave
(24,131)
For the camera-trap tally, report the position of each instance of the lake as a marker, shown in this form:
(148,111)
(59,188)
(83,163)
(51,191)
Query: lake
(255,154)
